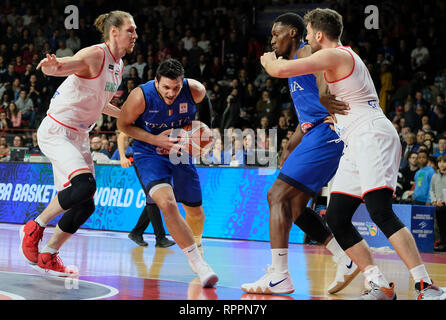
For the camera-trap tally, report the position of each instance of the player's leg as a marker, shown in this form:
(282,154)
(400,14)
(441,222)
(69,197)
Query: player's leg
(195,220)
(164,197)
(137,232)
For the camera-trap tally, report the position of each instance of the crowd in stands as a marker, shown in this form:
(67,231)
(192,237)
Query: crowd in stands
(219,45)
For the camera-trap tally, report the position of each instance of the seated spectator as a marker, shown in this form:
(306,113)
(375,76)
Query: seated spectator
(266,105)
(17,141)
(406,176)
(438,199)
(422,180)
(4,148)
(5,123)
(127,147)
(34,146)
(441,147)
(26,107)
(14,115)
(98,156)
(63,51)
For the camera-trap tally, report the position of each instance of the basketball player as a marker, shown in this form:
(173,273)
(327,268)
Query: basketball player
(149,115)
(369,166)
(94,74)
(151,212)
(311,160)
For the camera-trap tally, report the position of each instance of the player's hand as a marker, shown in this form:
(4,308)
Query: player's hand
(332,120)
(332,105)
(283,157)
(164,140)
(49,64)
(267,57)
(125,162)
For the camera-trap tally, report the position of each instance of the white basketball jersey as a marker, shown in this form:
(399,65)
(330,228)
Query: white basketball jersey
(359,91)
(79,101)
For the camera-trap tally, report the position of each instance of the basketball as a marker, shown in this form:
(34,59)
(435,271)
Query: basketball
(196,138)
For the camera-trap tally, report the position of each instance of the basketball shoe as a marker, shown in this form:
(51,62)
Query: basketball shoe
(429,292)
(52,264)
(379,293)
(346,271)
(30,236)
(207,276)
(272,282)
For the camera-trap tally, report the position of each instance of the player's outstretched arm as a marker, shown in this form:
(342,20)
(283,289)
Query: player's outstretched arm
(321,60)
(86,62)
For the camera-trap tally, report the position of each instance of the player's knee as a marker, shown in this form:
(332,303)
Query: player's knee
(379,206)
(74,218)
(83,187)
(167,205)
(275,195)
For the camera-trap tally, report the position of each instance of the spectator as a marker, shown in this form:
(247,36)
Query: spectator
(34,145)
(406,176)
(98,156)
(266,105)
(14,115)
(419,56)
(5,123)
(441,147)
(63,50)
(4,148)
(139,65)
(422,180)
(438,198)
(73,42)
(17,141)
(26,107)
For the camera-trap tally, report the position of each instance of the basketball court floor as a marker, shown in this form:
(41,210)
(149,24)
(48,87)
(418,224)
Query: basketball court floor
(112,267)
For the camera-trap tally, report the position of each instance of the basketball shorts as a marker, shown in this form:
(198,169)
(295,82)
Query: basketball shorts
(155,169)
(313,163)
(371,159)
(67,149)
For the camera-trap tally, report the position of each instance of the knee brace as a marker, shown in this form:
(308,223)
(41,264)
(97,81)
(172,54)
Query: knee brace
(379,205)
(83,187)
(76,216)
(312,224)
(339,219)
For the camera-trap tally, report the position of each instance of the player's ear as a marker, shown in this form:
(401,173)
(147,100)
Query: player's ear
(293,32)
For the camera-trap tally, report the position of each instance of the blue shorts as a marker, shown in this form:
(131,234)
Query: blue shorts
(314,161)
(154,169)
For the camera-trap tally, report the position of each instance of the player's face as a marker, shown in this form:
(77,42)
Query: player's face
(127,35)
(169,89)
(281,39)
(312,39)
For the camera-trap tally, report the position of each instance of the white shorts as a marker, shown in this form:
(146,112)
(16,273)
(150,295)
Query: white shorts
(67,149)
(370,161)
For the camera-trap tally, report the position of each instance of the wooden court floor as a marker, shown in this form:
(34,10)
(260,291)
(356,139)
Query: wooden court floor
(112,267)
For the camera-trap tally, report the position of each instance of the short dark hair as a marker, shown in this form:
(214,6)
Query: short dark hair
(441,159)
(423,151)
(327,21)
(294,20)
(170,68)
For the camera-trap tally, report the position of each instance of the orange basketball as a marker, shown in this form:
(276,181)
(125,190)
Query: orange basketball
(196,138)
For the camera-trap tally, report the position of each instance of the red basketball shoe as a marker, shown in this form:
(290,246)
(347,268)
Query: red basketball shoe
(53,265)
(30,236)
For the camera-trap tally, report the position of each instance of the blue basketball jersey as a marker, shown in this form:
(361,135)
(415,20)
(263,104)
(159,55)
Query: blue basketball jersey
(305,95)
(158,116)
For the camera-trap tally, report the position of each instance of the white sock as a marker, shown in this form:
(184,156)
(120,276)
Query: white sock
(372,273)
(47,249)
(280,259)
(335,249)
(193,254)
(419,273)
(39,222)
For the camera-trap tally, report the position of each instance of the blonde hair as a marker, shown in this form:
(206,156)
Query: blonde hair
(107,20)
